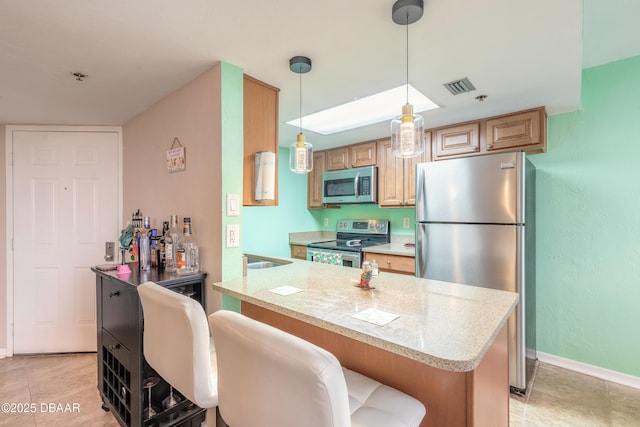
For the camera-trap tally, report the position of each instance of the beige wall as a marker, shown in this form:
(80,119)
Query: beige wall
(193,114)
(3,241)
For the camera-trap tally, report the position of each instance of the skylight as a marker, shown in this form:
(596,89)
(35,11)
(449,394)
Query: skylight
(365,111)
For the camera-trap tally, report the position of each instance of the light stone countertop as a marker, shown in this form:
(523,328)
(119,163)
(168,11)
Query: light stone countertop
(393,248)
(445,325)
(303,238)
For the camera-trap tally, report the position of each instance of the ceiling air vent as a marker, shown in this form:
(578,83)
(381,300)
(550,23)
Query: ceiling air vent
(459,86)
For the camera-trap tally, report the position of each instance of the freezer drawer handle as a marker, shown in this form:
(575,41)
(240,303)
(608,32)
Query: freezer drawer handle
(507,165)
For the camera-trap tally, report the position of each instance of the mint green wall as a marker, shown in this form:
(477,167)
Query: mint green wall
(588,224)
(395,215)
(232,153)
(266,228)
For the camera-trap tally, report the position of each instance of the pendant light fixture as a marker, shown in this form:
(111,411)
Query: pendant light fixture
(407,129)
(300,152)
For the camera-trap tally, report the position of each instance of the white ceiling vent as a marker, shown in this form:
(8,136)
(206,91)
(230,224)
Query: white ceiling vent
(457,87)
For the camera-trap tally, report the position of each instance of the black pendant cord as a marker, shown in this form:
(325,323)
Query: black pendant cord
(300,105)
(407,57)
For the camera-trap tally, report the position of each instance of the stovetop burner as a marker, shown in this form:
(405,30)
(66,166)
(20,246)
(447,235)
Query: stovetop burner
(353,235)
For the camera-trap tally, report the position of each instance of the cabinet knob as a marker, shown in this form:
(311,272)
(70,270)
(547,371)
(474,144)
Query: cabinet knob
(114,346)
(489,145)
(114,294)
(389,263)
(475,147)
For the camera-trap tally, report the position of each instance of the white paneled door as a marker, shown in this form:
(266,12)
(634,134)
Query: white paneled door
(65,207)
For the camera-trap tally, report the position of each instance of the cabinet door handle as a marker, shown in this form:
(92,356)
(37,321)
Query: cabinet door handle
(389,263)
(489,145)
(114,346)
(475,147)
(114,294)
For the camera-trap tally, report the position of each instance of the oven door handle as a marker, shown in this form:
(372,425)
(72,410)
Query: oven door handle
(356,184)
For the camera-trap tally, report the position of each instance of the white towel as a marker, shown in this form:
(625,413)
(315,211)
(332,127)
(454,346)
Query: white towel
(265,175)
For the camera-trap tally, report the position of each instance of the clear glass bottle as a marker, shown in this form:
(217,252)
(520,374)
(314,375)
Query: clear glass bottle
(375,270)
(172,239)
(187,251)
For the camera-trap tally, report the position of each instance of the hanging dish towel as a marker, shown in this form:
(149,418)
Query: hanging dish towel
(328,258)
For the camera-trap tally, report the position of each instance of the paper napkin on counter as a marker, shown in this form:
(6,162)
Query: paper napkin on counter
(376,317)
(285,290)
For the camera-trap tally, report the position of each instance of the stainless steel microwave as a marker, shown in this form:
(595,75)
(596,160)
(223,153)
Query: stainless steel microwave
(350,186)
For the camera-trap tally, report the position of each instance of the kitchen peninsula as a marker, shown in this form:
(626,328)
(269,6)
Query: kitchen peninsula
(447,346)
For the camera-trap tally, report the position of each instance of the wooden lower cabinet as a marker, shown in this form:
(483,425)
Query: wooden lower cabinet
(122,368)
(393,263)
(299,252)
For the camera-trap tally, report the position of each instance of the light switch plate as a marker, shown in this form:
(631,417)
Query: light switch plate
(233,235)
(233,205)
(405,222)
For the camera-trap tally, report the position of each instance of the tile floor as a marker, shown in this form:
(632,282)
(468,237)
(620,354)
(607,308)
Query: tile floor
(558,397)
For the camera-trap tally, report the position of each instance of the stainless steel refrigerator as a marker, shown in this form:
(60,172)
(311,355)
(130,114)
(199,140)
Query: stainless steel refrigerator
(475,225)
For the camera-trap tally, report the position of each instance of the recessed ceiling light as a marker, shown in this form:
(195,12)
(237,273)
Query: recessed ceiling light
(372,109)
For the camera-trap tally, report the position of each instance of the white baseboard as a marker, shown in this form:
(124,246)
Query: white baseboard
(3,353)
(594,371)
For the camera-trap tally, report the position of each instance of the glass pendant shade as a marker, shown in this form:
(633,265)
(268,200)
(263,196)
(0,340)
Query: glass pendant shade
(407,133)
(301,156)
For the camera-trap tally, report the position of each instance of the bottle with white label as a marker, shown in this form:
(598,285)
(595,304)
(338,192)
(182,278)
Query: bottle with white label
(187,251)
(170,244)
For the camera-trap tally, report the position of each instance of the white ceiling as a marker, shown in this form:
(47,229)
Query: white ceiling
(520,53)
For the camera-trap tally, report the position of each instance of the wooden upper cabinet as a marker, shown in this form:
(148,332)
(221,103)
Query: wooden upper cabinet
(337,159)
(523,130)
(456,140)
(260,134)
(397,176)
(363,154)
(390,176)
(526,130)
(352,156)
(314,180)
(410,171)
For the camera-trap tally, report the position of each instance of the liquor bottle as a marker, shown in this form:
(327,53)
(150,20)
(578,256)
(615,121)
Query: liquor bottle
(154,247)
(161,245)
(170,244)
(187,251)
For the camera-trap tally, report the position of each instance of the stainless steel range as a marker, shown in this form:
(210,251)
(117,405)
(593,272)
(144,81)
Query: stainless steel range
(351,237)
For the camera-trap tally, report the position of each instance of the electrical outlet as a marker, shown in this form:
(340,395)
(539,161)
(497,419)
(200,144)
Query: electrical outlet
(233,235)
(405,222)
(326,222)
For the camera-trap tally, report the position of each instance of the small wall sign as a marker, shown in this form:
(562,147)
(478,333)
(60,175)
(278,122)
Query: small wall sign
(175,157)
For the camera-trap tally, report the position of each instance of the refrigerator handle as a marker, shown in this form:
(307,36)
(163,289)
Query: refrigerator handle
(356,184)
